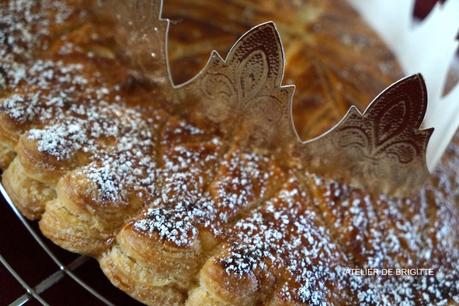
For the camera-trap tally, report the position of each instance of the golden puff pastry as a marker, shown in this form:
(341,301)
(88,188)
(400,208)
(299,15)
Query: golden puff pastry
(179,213)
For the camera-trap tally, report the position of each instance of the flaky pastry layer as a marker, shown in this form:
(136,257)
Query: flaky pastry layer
(178,212)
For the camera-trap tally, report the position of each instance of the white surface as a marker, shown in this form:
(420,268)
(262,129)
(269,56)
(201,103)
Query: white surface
(428,48)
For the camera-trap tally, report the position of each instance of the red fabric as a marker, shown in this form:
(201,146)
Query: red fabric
(423,7)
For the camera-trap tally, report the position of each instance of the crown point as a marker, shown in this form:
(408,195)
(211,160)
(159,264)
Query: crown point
(380,149)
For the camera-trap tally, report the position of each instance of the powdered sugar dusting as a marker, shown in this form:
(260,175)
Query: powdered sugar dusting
(285,235)
(72,107)
(25,29)
(304,236)
(85,115)
(39,99)
(243,176)
(182,203)
(381,232)
(60,140)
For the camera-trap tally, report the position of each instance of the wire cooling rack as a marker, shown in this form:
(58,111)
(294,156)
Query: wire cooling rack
(35,272)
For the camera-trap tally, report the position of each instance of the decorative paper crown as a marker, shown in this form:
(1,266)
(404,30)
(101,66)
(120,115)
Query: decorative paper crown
(382,149)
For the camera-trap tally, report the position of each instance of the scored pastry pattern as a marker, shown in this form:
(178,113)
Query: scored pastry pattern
(177,210)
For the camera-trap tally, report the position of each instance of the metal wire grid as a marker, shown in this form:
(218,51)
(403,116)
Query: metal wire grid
(62,269)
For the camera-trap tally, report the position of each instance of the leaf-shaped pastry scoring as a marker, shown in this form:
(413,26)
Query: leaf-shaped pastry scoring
(245,89)
(381,149)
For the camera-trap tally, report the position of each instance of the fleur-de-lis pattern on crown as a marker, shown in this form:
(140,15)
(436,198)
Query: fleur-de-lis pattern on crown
(382,150)
(245,89)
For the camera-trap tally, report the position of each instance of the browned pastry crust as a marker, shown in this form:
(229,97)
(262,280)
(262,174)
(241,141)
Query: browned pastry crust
(251,267)
(6,156)
(175,211)
(185,224)
(29,195)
